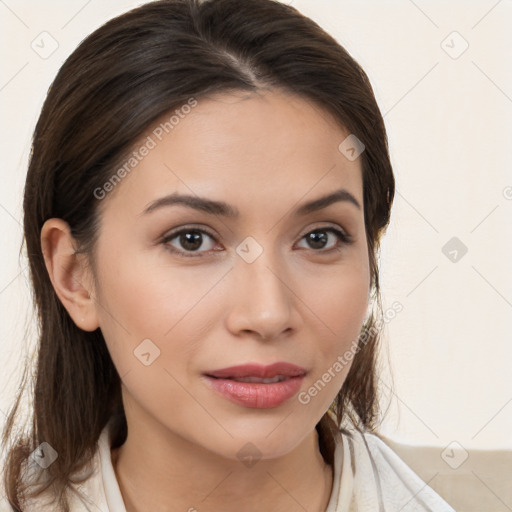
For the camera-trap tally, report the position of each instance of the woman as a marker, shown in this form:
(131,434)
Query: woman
(207,190)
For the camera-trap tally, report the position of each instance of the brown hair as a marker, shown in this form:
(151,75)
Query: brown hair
(119,80)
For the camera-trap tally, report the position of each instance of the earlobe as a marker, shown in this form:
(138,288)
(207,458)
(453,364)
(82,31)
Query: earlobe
(69,273)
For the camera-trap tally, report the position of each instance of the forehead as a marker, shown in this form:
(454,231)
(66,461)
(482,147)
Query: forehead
(243,146)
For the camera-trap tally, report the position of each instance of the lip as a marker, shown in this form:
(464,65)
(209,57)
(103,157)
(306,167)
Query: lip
(258,370)
(257,394)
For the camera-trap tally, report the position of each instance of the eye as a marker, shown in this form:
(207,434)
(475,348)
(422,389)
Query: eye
(318,239)
(187,241)
(190,240)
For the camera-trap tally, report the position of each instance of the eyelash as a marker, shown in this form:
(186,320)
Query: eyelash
(345,239)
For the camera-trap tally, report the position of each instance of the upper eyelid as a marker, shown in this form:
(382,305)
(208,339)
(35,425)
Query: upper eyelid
(173,233)
(193,227)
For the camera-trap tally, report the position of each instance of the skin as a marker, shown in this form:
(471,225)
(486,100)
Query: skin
(296,302)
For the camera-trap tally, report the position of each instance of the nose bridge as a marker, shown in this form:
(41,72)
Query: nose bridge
(263,301)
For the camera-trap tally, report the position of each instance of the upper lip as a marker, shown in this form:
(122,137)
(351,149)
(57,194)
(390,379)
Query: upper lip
(258,370)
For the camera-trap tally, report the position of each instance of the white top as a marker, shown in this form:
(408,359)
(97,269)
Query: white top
(374,479)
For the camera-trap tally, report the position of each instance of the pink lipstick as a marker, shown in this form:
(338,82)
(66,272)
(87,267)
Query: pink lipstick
(256,385)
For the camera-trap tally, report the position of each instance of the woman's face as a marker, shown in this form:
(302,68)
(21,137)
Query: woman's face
(247,276)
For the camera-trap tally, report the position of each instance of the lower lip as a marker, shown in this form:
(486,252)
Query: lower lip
(255,394)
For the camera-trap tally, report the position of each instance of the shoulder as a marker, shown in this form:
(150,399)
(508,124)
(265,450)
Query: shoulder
(381,479)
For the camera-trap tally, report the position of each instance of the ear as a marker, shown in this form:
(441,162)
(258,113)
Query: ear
(69,273)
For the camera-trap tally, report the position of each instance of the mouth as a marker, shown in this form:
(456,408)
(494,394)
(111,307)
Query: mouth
(277,378)
(280,370)
(255,385)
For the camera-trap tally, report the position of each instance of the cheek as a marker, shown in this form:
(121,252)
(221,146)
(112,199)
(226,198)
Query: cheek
(339,299)
(347,308)
(136,294)
(340,305)
(140,299)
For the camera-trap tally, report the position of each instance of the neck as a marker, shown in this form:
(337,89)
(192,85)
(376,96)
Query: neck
(171,474)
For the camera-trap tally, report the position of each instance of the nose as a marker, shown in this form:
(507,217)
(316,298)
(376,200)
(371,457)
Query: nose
(263,302)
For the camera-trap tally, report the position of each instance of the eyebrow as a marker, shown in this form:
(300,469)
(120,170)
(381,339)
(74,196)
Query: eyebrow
(226,210)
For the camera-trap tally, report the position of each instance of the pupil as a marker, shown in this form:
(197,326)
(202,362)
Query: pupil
(318,237)
(191,240)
